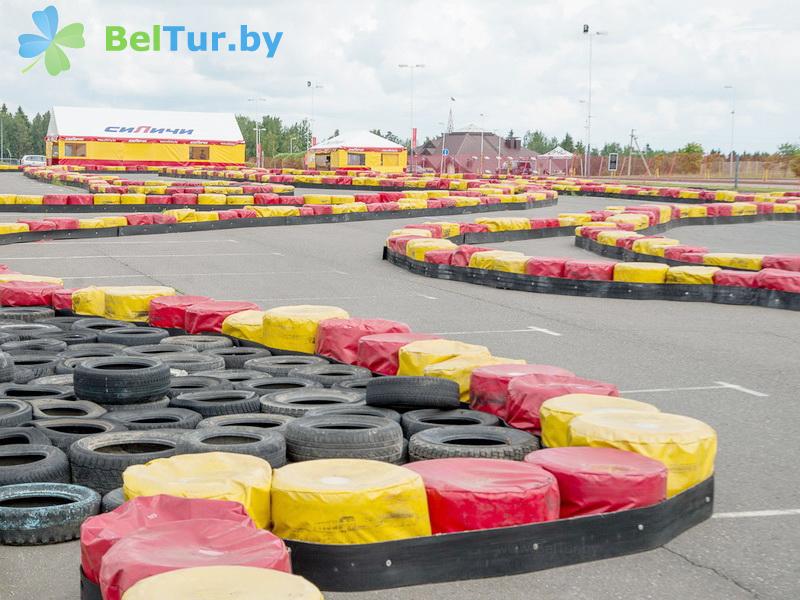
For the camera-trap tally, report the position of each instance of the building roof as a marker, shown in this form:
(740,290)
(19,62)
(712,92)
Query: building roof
(468,143)
(123,123)
(357,140)
(557,152)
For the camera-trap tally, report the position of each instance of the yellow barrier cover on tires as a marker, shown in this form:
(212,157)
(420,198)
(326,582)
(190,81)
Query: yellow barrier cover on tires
(104,199)
(691,275)
(448,229)
(412,203)
(223,582)
(739,209)
(8,198)
(697,211)
(499,260)
(653,246)
(349,207)
(90,223)
(244,200)
(413,358)
(245,325)
(133,199)
(182,215)
(785,208)
(505,223)
(557,413)
(609,238)
(316,199)
(212,198)
(410,231)
(460,368)
(416,249)
(734,260)
(211,475)
(206,215)
(348,501)
(90,301)
(640,272)
(29,199)
(13,228)
(6,277)
(342,199)
(113,221)
(686,446)
(132,303)
(638,221)
(276,210)
(295,327)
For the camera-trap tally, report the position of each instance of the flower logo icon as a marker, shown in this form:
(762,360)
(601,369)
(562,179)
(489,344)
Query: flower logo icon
(49,43)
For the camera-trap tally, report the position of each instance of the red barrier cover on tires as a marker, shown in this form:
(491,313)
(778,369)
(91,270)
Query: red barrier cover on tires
(678,252)
(439,257)
(338,338)
(139,219)
(473,228)
(61,299)
(488,386)
(264,199)
(527,394)
(546,266)
(38,225)
(463,253)
(100,533)
(170,311)
(390,196)
(378,353)
(589,270)
(184,199)
(82,199)
(158,199)
(777,279)
(786,262)
(398,244)
(383,207)
(159,219)
(736,278)
(186,544)
(209,315)
(227,215)
(55,199)
(27,293)
(64,222)
(466,494)
(544,223)
(602,480)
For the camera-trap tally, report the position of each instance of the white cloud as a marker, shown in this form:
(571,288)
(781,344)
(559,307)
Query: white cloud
(661,69)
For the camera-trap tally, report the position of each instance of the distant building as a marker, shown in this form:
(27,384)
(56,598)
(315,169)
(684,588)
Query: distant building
(119,136)
(357,150)
(500,155)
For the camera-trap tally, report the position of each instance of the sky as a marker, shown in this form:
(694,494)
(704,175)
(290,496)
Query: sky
(660,68)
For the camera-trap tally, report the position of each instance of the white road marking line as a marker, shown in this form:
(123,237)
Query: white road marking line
(543,330)
(721,385)
(756,513)
(221,274)
(426,296)
(529,329)
(321,298)
(744,390)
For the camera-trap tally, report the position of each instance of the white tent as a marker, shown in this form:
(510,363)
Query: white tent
(556,160)
(364,141)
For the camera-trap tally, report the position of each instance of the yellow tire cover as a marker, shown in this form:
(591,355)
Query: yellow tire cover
(449,229)
(275,210)
(416,249)
(295,327)
(213,475)
(652,246)
(505,223)
(640,272)
(182,215)
(499,260)
(557,413)
(218,583)
(411,231)
(211,198)
(348,501)
(751,262)
(6,277)
(206,215)
(90,301)
(685,445)
(132,303)
(413,358)
(692,275)
(245,325)
(13,228)
(609,238)
(460,368)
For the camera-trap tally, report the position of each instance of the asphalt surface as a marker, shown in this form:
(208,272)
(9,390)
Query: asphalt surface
(638,345)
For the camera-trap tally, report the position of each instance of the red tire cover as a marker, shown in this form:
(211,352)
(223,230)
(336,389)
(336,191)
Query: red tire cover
(463,253)
(100,533)
(677,252)
(398,244)
(439,257)
(55,199)
(527,394)
(736,278)
(473,228)
(378,353)
(170,311)
(321,209)
(38,225)
(546,266)
(159,219)
(589,270)
(787,262)
(139,219)
(209,315)
(62,299)
(227,215)
(264,199)
(64,222)
(83,199)
(184,544)
(777,279)
(601,480)
(483,493)
(184,199)
(488,386)
(27,293)
(338,338)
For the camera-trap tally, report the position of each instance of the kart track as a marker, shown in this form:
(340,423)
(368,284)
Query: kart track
(733,367)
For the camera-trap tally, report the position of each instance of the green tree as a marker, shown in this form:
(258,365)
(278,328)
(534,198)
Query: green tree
(692,148)
(610,147)
(789,149)
(537,141)
(567,143)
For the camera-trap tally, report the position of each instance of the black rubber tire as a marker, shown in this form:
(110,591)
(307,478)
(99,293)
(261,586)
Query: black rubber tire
(279,366)
(481,442)
(236,356)
(330,374)
(296,403)
(28,331)
(344,436)
(63,323)
(271,385)
(132,335)
(41,364)
(23,376)
(233,376)
(193,362)
(71,409)
(404,457)
(160,403)
(161,418)
(64,431)
(93,347)
(6,367)
(7,337)
(98,461)
(413,392)
(251,420)
(267,444)
(201,342)
(29,463)
(23,435)
(415,421)
(121,379)
(62,379)
(30,392)
(44,345)
(196,383)
(97,324)
(361,410)
(44,513)
(219,402)
(354,385)
(72,358)
(70,338)
(156,350)
(112,500)
(13,412)
(27,314)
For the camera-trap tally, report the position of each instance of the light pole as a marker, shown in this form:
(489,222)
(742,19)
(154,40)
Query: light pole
(587,167)
(444,139)
(312,86)
(258,129)
(291,145)
(412,68)
(733,117)
(483,121)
